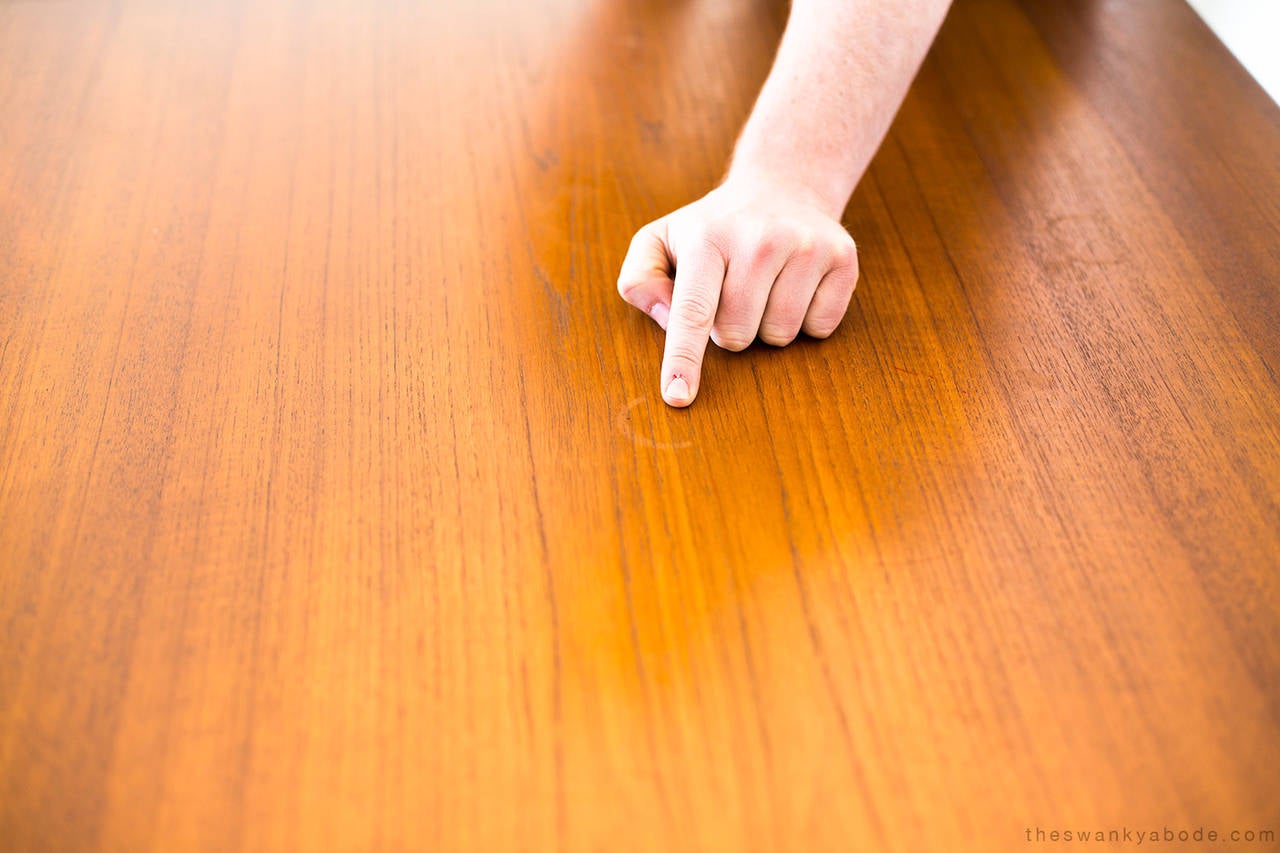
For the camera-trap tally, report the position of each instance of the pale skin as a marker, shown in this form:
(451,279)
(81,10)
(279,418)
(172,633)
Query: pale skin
(764,255)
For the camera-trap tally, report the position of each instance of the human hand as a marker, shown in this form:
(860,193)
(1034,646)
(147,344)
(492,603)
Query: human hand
(753,257)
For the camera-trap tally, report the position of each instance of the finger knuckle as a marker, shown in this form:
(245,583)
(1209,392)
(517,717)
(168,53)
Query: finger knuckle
(806,249)
(696,233)
(695,311)
(709,235)
(823,325)
(778,335)
(733,338)
(765,243)
(683,361)
(846,252)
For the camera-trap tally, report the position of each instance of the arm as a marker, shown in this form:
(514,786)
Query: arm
(764,253)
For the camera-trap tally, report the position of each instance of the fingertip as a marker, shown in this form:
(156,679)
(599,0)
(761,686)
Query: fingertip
(678,393)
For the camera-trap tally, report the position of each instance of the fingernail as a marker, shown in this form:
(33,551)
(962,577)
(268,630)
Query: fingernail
(660,312)
(678,391)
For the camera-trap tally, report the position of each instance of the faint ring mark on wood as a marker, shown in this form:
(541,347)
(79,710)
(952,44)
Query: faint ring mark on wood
(1085,239)
(624,424)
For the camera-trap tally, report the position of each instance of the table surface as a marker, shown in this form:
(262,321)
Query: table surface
(339,508)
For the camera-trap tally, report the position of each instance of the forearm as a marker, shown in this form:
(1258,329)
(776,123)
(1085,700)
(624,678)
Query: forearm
(841,72)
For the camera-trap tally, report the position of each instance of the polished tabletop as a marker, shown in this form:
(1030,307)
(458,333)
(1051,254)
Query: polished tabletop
(339,508)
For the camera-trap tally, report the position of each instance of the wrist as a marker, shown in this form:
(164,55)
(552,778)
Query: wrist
(768,178)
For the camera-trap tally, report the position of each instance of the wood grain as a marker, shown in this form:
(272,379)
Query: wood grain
(339,509)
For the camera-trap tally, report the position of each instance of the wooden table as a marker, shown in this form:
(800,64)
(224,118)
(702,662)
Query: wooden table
(339,509)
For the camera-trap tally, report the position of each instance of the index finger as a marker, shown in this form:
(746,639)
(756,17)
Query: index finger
(694,299)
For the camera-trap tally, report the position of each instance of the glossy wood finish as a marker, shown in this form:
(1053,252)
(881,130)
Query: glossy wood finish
(339,509)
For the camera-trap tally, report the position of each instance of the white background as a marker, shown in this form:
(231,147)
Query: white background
(1251,30)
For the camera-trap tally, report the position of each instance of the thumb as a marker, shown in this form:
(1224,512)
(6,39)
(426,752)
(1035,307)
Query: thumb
(645,280)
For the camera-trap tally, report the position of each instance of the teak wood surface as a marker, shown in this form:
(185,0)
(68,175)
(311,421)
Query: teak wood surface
(339,509)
